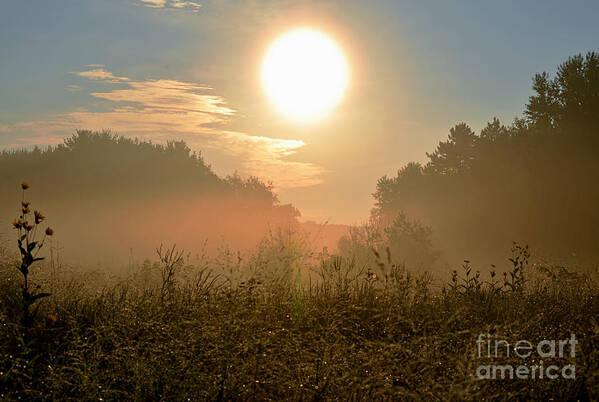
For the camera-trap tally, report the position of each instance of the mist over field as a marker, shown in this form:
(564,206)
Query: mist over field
(532,181)
(111,197)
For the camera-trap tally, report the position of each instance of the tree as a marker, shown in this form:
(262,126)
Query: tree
(390,191)
(570,100)
(493,131)
(455,154)
(533,181)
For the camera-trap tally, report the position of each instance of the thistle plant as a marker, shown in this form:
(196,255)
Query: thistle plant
(520,256)
(28,224)
(467,283)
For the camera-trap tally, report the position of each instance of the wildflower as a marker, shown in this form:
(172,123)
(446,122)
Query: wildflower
(51,320)
(38,217)
(27,226)
(24,186)
(17,224)
(49,232)
(26,211)
(25,204)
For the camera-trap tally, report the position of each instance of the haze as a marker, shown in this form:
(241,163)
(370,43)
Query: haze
(166,70)
(416,70)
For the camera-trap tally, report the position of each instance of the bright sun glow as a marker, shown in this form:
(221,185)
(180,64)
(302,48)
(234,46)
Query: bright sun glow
(304,74)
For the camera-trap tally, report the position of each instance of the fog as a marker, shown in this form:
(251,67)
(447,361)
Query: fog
(110,200)
(532,181)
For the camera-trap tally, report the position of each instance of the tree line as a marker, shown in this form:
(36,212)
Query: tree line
(534,181)
(109,194)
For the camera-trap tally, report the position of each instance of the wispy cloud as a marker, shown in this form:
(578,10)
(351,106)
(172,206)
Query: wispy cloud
(165,109)
(153,3)
(73,88)
(99,74)
(169,95)
(192,5)
(185,4)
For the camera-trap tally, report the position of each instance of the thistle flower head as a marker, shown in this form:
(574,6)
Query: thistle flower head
(27,226)
(24,185)
(26,210)
(51,320)
(38,217)
(49,232)
(17,224)
(25,204)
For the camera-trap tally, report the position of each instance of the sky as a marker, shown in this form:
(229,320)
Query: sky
(171,69)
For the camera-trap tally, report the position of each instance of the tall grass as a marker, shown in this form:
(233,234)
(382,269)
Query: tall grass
(281,323)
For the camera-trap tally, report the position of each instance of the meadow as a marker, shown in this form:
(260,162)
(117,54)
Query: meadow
(265,314)
(283,323)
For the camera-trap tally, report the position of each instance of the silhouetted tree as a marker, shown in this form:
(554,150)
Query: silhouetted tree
(103,187)
(533,181)
(455,154)
(570,100)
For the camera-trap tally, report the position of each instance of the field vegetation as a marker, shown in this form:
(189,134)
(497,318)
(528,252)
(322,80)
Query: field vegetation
(263,314)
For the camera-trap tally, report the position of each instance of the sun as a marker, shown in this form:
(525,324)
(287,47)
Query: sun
(304,74)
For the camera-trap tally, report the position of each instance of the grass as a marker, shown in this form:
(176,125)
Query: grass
(283,323)
(221,330)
